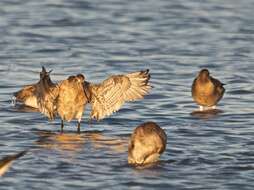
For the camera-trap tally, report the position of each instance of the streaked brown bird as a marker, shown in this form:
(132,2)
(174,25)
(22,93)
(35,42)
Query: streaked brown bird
(29,93)
(46,93)
(6,162)
(206,90)
(27,96)
(146,144)
(69,97)
(65,98)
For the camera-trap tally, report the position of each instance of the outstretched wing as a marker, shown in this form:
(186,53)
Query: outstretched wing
(46,93)
(108,96)
(27,96)
(26,92)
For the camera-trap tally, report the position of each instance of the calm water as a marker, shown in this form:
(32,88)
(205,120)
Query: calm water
(174,39)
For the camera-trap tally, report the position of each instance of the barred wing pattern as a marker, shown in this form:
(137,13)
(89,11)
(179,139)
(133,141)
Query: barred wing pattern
(46,93)
(46,102)
(108,96)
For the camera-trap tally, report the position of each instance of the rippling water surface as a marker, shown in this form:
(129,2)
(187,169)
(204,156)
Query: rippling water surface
(174,39)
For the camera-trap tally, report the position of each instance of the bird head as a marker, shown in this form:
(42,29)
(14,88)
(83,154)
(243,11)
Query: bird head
(204,74)
(81,78)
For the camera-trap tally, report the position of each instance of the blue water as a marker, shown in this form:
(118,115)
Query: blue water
(174,39)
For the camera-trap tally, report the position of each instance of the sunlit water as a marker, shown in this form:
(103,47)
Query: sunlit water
(174,39)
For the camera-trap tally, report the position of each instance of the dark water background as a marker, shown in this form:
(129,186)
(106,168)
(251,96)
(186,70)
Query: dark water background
(174,39)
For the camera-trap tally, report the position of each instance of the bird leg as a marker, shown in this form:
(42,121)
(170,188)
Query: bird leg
(62,125)
(78,127)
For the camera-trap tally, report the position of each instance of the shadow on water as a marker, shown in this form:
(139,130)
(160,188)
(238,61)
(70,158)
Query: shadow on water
(206,114)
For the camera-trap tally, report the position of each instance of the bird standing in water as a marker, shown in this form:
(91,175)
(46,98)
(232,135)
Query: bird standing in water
(65,98)
(206,90)
(69,97)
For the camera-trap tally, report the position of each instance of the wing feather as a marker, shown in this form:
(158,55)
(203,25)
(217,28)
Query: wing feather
(46,102)
(46,93)
(108,96)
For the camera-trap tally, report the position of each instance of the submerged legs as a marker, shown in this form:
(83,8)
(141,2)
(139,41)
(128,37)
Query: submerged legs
(78,127)
(62,125)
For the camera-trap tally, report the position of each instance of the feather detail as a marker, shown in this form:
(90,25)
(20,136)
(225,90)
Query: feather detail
(108,96)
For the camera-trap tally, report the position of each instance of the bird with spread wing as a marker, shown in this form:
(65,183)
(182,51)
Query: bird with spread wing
(69,97)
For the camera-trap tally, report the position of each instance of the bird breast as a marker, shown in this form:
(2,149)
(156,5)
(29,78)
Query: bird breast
(204,88)
(71,100)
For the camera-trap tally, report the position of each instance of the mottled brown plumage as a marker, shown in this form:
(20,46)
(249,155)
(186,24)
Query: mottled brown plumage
(146,144)
(46,93)
(27,96)
(65,98)
(108,96)
(69,97)
(206,90)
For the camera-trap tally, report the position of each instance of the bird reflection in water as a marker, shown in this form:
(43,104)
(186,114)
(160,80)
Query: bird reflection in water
(206,114)
(75,143)
(60,141)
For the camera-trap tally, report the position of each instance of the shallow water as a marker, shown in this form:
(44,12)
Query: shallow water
(174,39)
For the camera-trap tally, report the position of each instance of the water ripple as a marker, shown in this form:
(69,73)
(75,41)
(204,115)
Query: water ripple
(174,39)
